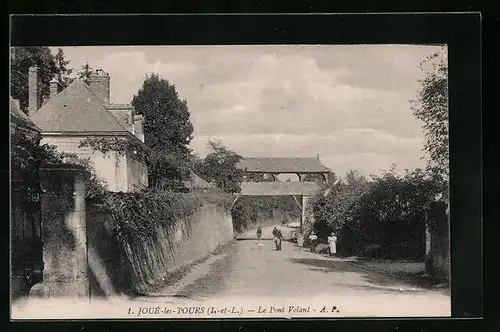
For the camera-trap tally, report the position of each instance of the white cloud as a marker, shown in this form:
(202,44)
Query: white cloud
(350,104)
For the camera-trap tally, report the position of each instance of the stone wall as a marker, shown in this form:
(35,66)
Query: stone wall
(117,268)
(438,258)
(25,252)
(63,232)
(440,253)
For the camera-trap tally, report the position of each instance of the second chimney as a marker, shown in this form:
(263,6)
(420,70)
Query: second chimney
(54,87)
(33,101)
(99,84)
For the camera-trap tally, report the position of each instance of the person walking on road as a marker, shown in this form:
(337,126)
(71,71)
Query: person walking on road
(280,239)
(332,241)
(277,238)
(275,231)
(313,241)
(300,240)
(259,235)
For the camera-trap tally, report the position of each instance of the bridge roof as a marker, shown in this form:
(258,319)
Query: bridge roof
(277,188)
(283,165)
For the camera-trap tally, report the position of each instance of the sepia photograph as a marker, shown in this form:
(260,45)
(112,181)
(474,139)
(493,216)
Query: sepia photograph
(229,181)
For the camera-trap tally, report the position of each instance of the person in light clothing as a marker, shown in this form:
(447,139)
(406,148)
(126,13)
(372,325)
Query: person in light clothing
(332,240)
(300,240)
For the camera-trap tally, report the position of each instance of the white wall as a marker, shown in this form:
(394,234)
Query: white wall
(119,173)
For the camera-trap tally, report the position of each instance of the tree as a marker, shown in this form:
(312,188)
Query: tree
(337,204)
(431,108)
(219,166)
(21,59)
(62,71)
(393,213)
(167,132)
(85,72)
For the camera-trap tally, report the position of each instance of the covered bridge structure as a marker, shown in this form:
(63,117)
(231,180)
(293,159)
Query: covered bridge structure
(301,191)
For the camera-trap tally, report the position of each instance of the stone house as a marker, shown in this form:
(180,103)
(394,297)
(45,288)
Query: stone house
(83,111)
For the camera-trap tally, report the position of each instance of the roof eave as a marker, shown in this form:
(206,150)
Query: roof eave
(86,133)
(92,133)
(25,124)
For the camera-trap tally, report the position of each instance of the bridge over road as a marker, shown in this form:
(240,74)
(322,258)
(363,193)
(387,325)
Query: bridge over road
(261,179)
(301,192)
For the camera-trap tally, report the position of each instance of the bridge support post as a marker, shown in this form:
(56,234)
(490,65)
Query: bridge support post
(307,216)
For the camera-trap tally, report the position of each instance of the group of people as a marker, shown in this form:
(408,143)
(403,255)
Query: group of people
(332,242)
(313,240)
(277,237)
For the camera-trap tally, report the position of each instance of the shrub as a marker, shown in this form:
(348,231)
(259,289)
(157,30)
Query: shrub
(383,218)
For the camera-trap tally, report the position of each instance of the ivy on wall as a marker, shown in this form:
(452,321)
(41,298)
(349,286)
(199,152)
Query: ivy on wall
(135,215)
(122,146)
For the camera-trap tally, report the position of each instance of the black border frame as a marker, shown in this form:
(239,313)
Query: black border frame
(460,31)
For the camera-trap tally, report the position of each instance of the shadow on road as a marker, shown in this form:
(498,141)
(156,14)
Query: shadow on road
(214,281)
(324,265)
(374,281)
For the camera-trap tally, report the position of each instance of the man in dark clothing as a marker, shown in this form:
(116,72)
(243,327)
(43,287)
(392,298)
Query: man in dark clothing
(280,238)
(259,232)
(276,238)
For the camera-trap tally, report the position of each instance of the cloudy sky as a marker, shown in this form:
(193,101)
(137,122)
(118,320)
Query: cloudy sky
(349,104)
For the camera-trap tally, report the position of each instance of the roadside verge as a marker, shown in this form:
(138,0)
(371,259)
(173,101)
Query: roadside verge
(410,272)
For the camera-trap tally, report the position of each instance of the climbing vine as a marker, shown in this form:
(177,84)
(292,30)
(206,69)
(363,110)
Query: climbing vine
(28,156)
(122,146)
(136,215)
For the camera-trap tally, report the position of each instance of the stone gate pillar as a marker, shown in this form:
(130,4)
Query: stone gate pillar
(64,236)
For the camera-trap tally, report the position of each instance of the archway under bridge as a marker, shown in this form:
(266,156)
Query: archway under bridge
(300,192)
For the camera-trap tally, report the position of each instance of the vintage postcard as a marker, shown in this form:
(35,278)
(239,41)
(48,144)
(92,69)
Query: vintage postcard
(236,181)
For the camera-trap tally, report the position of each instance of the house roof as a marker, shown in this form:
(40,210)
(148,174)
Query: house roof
(278,188)
(76,109)
(119,106)
(18,117)
(283,165)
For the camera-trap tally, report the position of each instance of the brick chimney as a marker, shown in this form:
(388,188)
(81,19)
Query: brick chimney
(33,101)
(99,84)
(54,87)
